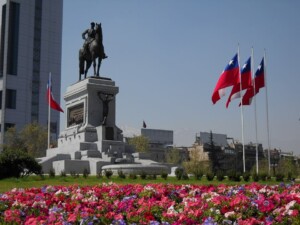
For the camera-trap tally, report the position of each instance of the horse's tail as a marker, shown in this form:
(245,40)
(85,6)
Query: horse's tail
(81,62)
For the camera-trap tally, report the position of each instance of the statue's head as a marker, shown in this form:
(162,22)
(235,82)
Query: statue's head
(92,24)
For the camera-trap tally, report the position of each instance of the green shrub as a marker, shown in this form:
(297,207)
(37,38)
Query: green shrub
(179,172)
(99,175)
(152,177)
(263,176)
(143,175)
(220,175)
(74,174)
(164,175)
(85,173)
(132,176)
(63,173)
(234,176)
(279,177)
(17,163)
(210,176)
(255,177)
(51,173)
(246,176)
(184,176)
(121,174)
(108,173)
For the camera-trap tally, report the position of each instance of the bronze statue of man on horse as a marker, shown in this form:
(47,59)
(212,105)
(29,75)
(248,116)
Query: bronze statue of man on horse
(92,49)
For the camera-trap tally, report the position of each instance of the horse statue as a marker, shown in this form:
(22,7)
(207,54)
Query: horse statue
(95,51)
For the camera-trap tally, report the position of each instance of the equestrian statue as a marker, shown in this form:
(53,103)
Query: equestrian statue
(91,50)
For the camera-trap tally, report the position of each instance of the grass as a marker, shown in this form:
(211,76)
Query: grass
(37,181)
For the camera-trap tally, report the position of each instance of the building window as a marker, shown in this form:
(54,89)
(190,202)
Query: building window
(11,99)
(13,38)
(2,39)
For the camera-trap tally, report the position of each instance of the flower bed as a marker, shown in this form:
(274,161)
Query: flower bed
(152,204)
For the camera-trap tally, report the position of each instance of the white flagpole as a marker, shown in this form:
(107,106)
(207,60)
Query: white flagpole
(49,109)
(242,117)
(255,112)
(267,112)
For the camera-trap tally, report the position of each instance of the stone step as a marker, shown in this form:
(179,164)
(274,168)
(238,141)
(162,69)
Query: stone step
(91,153)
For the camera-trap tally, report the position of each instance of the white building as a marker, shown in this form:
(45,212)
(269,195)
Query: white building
(31,38)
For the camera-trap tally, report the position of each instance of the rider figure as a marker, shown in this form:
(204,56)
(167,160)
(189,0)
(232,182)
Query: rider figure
(91,33)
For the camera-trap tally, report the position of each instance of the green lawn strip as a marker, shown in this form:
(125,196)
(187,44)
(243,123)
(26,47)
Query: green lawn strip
(36,181)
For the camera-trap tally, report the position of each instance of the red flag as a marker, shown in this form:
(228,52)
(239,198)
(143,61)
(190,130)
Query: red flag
(246,82)
(51,101)
(229,77)
(257,83)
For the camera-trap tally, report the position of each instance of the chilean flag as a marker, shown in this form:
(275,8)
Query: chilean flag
(246,82)
(258,83)
(51,101)
(229,77)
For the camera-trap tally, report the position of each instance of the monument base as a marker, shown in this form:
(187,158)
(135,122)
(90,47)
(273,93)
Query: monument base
(91,138)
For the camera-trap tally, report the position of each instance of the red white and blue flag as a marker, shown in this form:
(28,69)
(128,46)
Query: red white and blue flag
(257,83)
(245,84)
(229,77)
(51,101)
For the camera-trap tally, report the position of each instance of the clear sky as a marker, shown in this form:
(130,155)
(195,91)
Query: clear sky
(166,57)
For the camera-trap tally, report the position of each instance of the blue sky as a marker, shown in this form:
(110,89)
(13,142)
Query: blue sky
(166,57)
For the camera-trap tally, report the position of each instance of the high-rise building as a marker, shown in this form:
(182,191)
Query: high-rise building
(30,49)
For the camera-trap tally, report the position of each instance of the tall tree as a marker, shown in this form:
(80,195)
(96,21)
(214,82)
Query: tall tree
(140,143)
(214,155)
(31,139)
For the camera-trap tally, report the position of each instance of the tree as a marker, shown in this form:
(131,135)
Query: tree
(214,155)
(288,168)
(16,163)
(140,143)
(173,156)
(31,139)
(194,166)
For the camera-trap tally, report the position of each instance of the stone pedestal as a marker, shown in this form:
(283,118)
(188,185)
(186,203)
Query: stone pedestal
(90,129)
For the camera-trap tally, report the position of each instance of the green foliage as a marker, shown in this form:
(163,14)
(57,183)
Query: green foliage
(16,163)
(143,175)
(194,166)
(185,176)
(173,156)
(234,176)
(279,177)
(23,139)
(152,177)
(63,173)
(140,143)
(164,175)
(99,175)
(210,176)
(132,176)
(179,173)
(263,176)
(108,173)
(255,177)
(121,174)
(246,176)
(74,174)
(220,175)
(287,167)
(85,173)
(51,173)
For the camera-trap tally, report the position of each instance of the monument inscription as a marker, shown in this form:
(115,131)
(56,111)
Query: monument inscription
(75,115)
